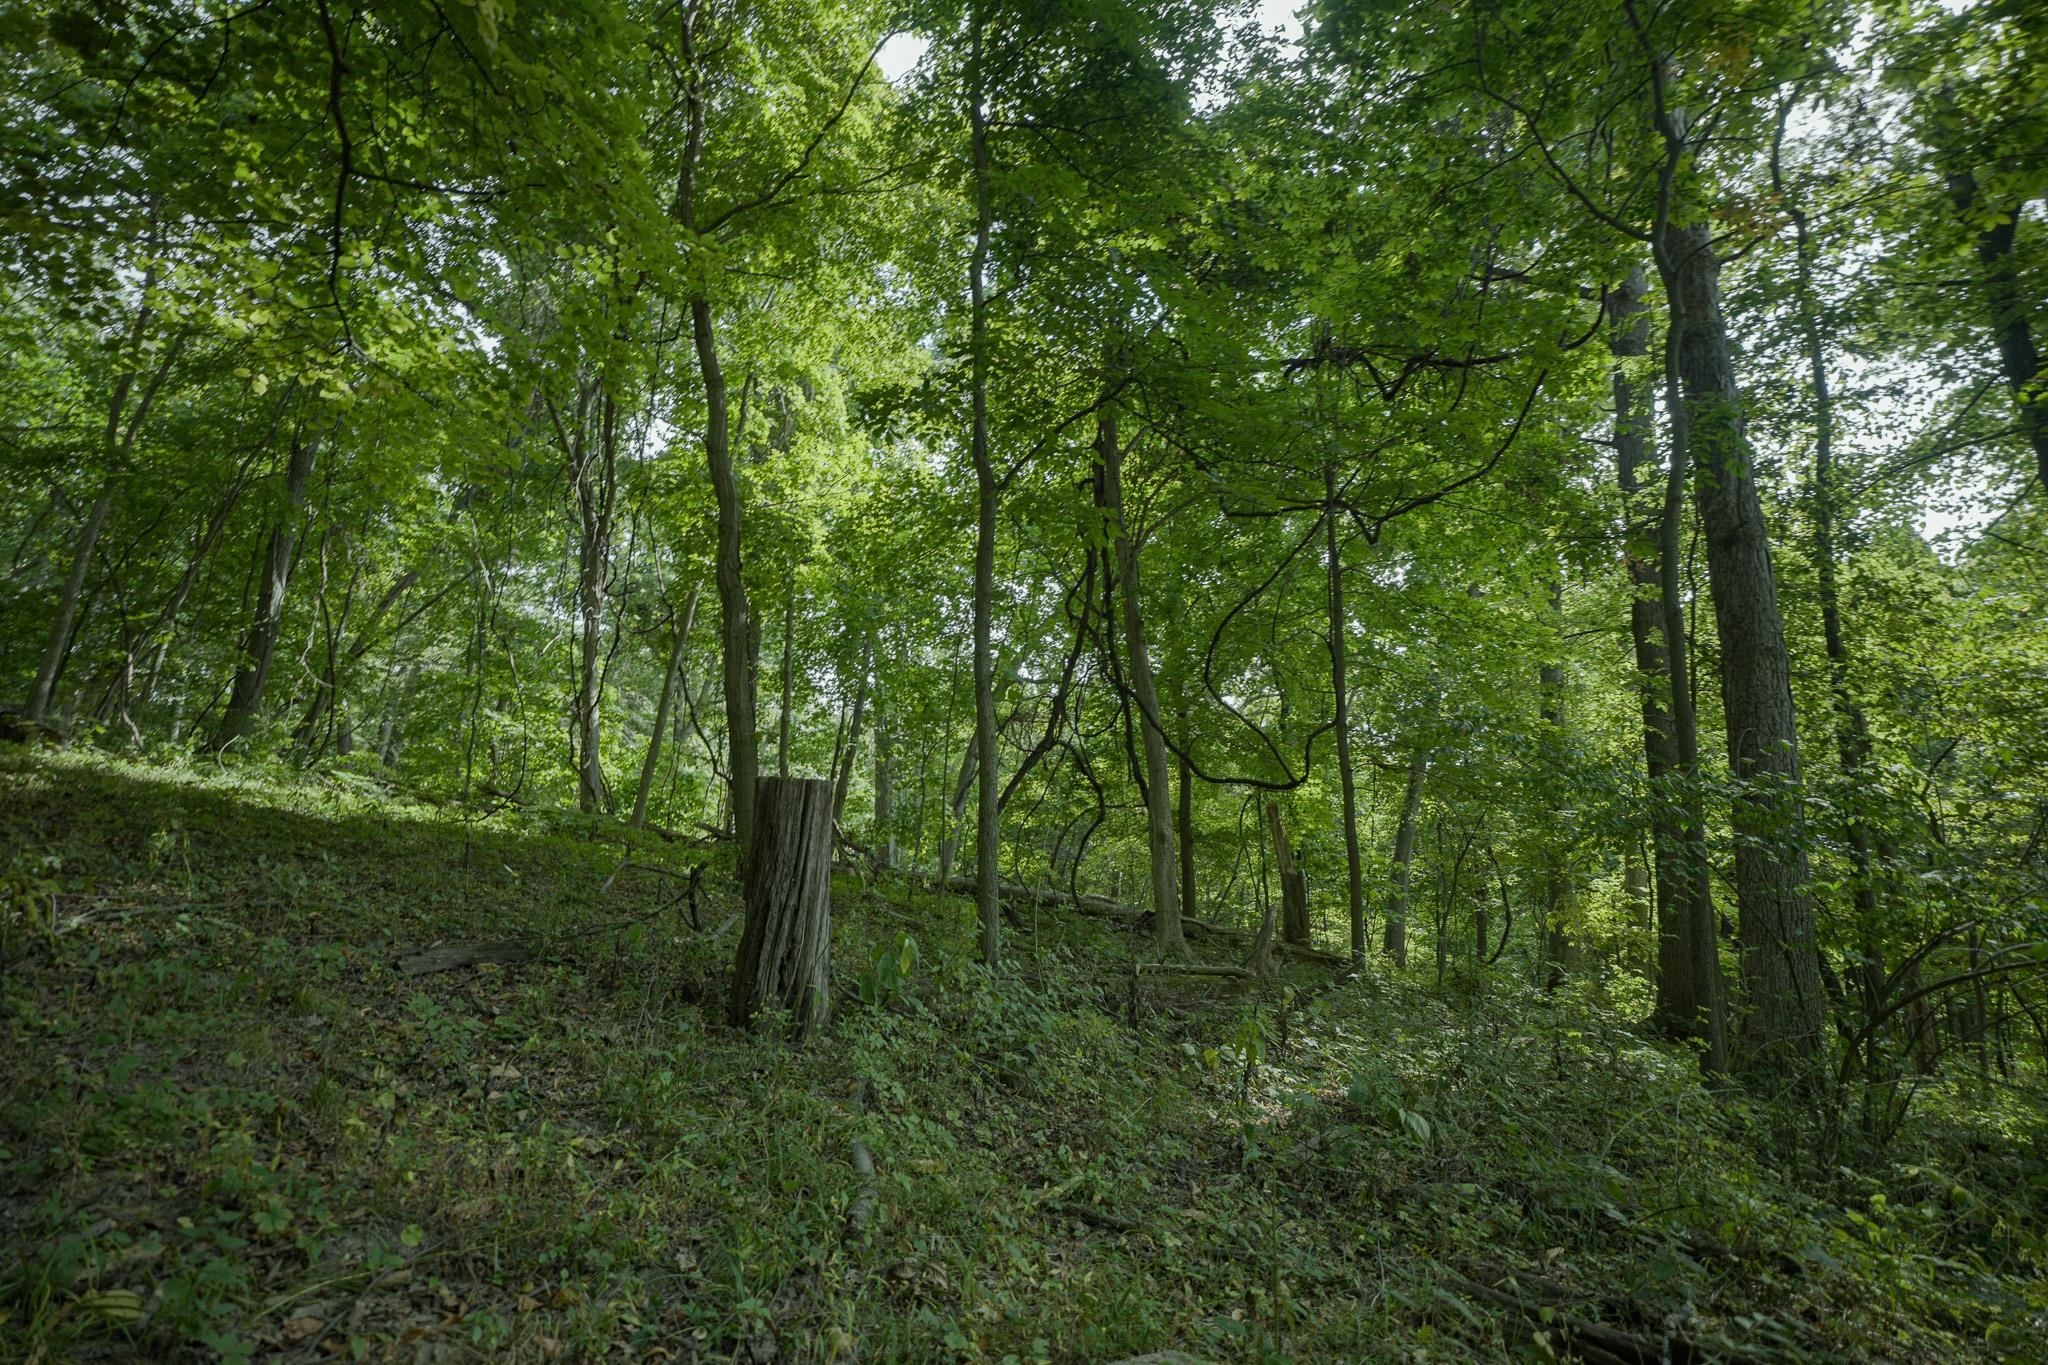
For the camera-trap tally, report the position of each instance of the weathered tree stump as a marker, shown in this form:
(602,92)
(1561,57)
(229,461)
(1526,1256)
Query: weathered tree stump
(785,955)
(1294,925)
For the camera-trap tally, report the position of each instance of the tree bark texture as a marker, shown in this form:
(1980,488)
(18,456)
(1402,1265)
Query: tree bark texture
(678,654)
(1395,938)
(785,952)
(1138,668)
(987,834)
(1354,863)
(1781,1028)
(259,646)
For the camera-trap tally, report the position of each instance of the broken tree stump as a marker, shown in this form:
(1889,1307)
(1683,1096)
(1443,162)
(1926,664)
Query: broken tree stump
(1294,925)
(785,954)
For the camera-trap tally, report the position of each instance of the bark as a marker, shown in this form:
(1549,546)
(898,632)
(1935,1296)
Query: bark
(1294,926)
(1558,892)
(259,646)
(885,772)
(1184,826)
(788,683)
(1703,991)
(1678,1008)
(1395,940)
(2019,358)
(1354,863)
(1782,1026)
(1138,668)
(1852,728)
(986,832)
(678,654)
(785,952)
(735,634)
(594,473)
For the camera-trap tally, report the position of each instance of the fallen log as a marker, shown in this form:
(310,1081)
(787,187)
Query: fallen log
(1188,969)
(448,957)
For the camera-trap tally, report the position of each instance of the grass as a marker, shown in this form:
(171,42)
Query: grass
(230,1128)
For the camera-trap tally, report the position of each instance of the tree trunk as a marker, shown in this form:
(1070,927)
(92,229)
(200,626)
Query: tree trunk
(117,442)
(678,652)
(1678,1010)
(885,771)
(1354,863)
(594,474)
(1852,728)
(2019,358)
(1138,664)
(1559,895)
(245,700)
(1782,1027)
(987,835)
(1184,827)
(735,634)
(785,952)
(1395,941)
(327,693)
(1294,925)
(844,782)
(788,683)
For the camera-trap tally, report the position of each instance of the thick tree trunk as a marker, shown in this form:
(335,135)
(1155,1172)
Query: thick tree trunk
(1354,862)
(1395,939)
(678,653)
(785,952)
(987,834)
(1782,1025)
(1138,667)
(1678,1007)
(252,676)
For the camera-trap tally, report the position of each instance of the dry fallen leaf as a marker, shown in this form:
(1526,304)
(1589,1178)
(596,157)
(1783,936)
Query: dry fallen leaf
(296,1330)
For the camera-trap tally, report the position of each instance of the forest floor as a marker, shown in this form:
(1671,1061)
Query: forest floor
(229,1126)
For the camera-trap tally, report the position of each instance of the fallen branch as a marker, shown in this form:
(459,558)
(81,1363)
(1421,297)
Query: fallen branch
(1601,1343)
(509,953)
(1089,1213)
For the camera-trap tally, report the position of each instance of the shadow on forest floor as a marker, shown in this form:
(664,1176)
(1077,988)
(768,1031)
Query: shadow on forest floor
(230,1127)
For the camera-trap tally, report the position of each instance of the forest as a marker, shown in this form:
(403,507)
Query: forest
(1024,680)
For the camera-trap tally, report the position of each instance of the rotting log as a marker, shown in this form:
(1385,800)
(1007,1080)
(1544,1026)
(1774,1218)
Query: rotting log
(785,952)
(448,957)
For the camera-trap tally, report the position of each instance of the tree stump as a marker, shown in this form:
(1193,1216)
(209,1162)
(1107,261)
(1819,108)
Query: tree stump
(785,955)
(1294,925)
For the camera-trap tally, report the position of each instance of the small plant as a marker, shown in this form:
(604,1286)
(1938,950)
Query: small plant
(885,978)
(28,893)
